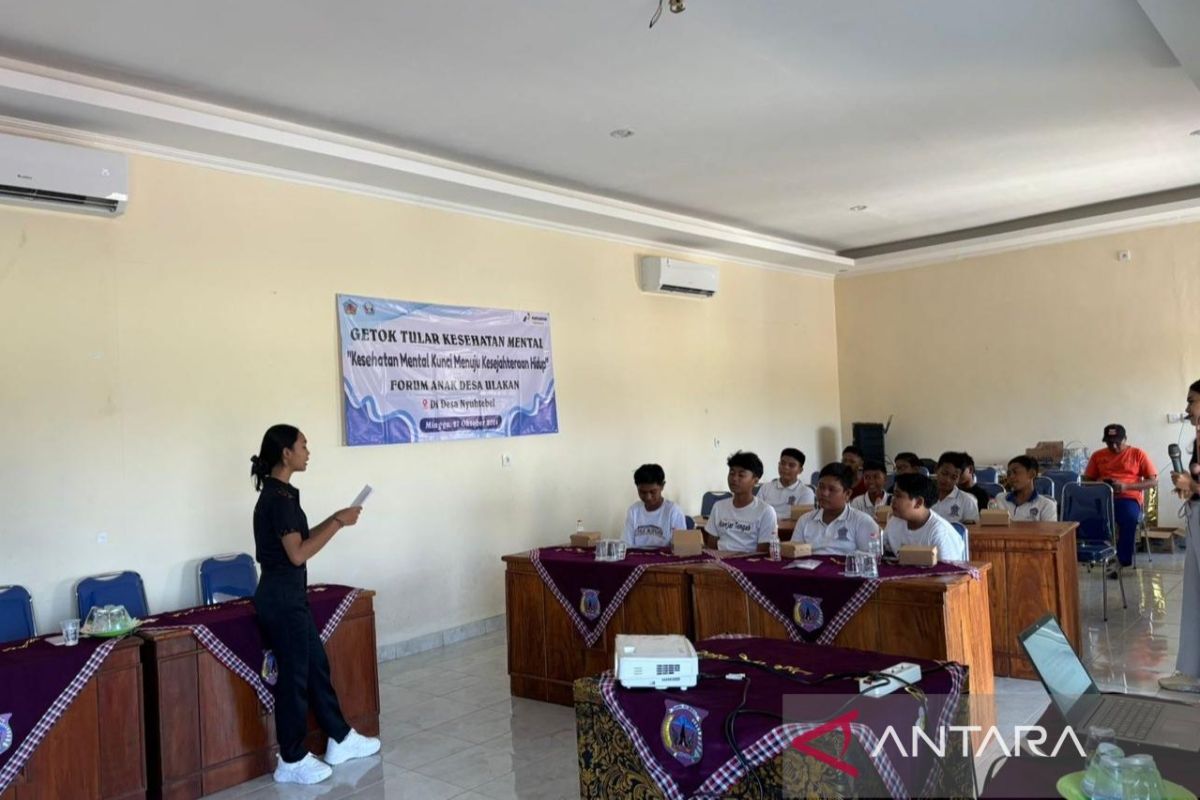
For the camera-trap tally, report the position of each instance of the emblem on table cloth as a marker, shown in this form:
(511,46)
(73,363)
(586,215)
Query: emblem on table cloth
(270,668)
(6,736)
(807,612)
(589,605)
(681,733)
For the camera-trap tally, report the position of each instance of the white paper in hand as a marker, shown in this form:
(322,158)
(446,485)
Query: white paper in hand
(362,496)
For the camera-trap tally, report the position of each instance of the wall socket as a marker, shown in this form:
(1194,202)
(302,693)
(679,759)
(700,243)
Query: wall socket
(505,460)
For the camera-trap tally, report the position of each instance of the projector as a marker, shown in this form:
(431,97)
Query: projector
(655,662)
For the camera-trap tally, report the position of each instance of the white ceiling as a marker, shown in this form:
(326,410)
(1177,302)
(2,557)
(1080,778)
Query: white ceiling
(771,118)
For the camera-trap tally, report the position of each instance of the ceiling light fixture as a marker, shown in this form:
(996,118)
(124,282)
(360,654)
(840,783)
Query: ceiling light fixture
(676,6)
(621,133)
(858,208)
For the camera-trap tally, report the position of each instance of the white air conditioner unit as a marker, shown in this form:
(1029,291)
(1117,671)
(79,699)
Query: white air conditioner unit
(671,276)
(62,177)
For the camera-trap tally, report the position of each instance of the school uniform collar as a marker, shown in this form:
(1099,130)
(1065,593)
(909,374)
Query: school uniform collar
(819,515)
(1012,498)
(795,485)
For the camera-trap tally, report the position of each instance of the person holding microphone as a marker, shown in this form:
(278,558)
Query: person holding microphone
(1187,486)
(283,544)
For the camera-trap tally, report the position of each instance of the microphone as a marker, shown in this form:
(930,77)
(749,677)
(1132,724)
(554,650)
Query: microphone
(1176,459)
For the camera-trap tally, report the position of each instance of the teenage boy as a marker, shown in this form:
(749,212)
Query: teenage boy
(907,463)
(968,483)
(953,504)
(913,522)
(1024,502)
(875,477)
(834,528)
(1129,471)
(742,523)
(853,458)
(651,521)
(788,489)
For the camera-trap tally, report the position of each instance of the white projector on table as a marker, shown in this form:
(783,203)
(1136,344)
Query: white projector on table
(656,662)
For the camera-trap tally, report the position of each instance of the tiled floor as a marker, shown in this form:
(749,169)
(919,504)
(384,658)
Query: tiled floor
(451,729)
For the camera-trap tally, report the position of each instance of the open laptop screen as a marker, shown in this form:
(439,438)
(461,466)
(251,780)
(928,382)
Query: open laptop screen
(1061,671)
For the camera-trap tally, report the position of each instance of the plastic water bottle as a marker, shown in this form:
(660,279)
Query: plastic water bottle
(773,554)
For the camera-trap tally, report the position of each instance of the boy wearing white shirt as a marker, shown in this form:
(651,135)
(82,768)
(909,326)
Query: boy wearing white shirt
(913,522)
(788,489)
(651,521)
(1023,502)
(953,504)
(875,477)
(742,523)
(835,528)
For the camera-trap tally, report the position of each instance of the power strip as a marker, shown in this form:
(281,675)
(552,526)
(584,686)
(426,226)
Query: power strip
(878,685)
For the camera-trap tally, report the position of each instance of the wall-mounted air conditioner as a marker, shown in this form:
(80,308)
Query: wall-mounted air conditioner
(62,177)
(672,276)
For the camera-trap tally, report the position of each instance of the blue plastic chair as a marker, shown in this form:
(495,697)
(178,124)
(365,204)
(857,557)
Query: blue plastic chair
(992,489)
(1060,478)
(227,577)
(16,614)
(966,537)
(112,588)
(1091,506)
(1044,485)
(689,522)
(986,475)
(710,499)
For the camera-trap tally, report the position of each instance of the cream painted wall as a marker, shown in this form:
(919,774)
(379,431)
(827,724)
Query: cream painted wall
(144,356)
(992,354)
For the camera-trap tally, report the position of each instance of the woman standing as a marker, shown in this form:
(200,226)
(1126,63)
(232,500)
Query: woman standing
(283,544)
(1187,484)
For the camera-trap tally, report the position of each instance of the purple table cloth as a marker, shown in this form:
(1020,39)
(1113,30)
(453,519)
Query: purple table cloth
(231,633)
(591,591)
(680,735)
(38,683)
(814,605)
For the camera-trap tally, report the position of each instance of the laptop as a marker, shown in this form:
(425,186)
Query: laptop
(1133,718)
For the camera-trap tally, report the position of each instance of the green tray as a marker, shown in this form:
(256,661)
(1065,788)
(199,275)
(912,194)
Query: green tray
(1071,787)
(133,624)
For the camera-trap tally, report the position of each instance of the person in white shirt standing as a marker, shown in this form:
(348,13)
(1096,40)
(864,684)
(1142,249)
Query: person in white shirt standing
(651,521)
(875,477)
(742,523)
(914,523)
(953,504)
(1023,502)
(789,489)
(834,528)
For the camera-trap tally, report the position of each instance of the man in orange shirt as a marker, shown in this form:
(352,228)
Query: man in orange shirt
(1129,471)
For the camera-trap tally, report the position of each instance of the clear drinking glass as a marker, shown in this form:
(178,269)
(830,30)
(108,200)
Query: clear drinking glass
(101,620)
(70,632)
(1100,742)
(853,567)
(1108,783)
(1141,779)
(120,618)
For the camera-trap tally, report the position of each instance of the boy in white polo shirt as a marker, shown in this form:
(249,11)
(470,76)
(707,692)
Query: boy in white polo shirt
(912,521)
(834,528)
(1024,502)
(953,504)
(742,523)
(788,489)
(651,521)
(875,477)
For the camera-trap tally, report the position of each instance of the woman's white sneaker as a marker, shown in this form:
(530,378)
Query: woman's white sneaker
(1180,683)
(309,769)
(355,745)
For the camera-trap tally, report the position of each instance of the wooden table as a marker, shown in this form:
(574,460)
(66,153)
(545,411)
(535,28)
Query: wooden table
(1034,571)
(944,618)
(207,729)
(96,751)
(545,652)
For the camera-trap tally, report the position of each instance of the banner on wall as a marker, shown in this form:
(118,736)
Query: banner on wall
(417,372)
